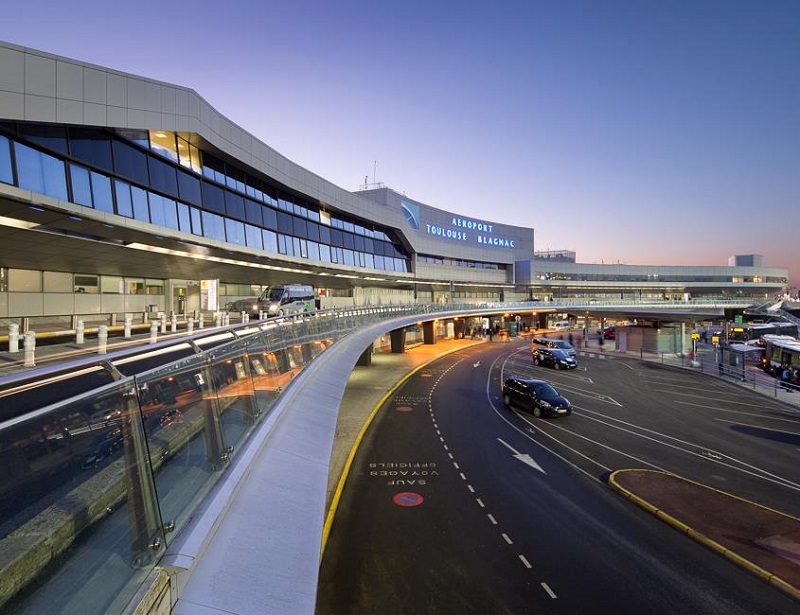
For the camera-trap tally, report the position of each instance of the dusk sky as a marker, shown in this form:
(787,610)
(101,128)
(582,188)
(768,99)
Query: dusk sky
(639,131)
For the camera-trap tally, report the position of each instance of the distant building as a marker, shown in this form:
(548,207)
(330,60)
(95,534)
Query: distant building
(746,260)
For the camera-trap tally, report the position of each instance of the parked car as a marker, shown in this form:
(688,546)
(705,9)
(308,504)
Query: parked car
(610,333)
(535,396)
(554,357)
(559,344)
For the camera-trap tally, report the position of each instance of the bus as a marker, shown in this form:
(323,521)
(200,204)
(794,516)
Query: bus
(745,334)
(779,350)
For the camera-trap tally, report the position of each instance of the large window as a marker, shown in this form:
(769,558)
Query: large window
(92,147)
(41,173)
(6,171)
(130,162)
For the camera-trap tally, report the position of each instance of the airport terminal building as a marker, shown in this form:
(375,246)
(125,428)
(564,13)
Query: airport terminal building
(120,194)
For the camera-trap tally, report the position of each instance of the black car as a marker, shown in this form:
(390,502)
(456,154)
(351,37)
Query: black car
(535,396)
(554,357)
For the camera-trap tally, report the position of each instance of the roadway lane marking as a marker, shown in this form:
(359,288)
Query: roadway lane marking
(523,457)
(450,455)
(549,591)
(471,489)
(480,503)
(525,561)
(455,465)
(507,539)
(492,519)
(461,474)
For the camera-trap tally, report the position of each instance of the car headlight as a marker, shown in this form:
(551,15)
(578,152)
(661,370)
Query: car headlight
(544,404)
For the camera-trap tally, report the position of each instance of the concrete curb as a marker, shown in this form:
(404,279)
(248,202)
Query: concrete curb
(764,574)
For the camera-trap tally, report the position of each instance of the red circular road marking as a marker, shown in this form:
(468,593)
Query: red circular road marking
(407,498)
(403,408)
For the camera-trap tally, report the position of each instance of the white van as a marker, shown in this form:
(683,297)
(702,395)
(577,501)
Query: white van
(561,325)
(287,299)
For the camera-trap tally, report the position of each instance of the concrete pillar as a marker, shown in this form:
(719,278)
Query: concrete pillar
(365,360)
(428,332)
(398,340)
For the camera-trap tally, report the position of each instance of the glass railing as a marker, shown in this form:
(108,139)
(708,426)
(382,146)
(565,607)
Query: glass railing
(95,486)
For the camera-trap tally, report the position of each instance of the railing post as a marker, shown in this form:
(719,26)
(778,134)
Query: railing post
(144,524)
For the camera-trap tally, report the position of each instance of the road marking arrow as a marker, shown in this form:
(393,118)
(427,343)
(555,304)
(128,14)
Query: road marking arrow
(523,457)
(478,364)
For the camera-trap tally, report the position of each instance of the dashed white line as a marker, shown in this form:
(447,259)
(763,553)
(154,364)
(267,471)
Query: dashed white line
(549,591)
(480,503)
(461,474)
(507,538)
(492,519)
(447,448)
(471,490)
(455,465)
(525,561)
(450,455)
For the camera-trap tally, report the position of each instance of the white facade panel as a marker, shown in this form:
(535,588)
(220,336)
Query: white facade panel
(69,81)
(40,76)
(94,86)
(40,108)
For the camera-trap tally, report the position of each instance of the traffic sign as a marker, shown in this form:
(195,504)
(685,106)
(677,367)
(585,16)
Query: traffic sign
(408,499)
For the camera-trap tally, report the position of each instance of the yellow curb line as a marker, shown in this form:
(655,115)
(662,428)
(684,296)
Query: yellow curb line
(346,469)
(767,576)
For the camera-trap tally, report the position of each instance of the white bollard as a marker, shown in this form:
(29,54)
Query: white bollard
(217,319)
(30,348)
(102,339)
(163,317)
(13,337)
(189,326)
(128,323)
(200,322)
(153,332)
(226,319)
(244,316)
(174,323)
(79,332)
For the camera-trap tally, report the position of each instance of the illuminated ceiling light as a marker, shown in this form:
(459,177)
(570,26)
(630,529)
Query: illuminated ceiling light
(14,223)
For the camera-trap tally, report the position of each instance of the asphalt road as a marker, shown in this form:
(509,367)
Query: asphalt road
(456,504)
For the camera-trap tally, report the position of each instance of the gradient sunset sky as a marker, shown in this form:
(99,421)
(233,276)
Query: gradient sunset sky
(638,131)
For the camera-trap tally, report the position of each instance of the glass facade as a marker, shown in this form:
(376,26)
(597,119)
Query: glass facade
(173,184)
